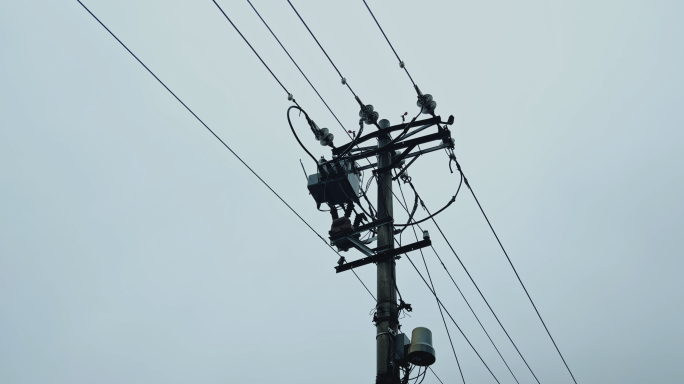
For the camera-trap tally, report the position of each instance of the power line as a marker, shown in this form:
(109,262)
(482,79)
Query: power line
(433,287)
(468,273)
(253,50)
(344,81)
(518,276)
(483,298)
(401,63)
(312,86)
(217,137)
(300,70)
(457,287)
(451,317)
(433,372)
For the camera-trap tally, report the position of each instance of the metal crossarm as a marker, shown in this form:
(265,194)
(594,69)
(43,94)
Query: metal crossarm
(383,255)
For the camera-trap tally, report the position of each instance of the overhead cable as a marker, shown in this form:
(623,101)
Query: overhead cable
(344,80)
(451,317)
(516,274)
(401,63)
(289,95)
(432,284)
(459,289)
(219,139)
(300,70)
(433,372)
(482,295)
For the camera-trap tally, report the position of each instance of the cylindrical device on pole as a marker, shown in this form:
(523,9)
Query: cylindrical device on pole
(421,352)
(386,309)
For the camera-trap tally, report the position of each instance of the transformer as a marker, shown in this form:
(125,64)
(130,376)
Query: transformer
(335,185)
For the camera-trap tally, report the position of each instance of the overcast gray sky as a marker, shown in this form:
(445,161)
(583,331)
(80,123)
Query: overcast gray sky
(135,248)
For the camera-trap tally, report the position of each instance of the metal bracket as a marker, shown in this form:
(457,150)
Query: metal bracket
(383,255)
(431,121)
(441,134)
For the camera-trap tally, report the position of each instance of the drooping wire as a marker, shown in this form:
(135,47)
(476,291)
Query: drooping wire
(401,63)
(220,140)
(345,82)
(516,274)
(253,50)
(300,70)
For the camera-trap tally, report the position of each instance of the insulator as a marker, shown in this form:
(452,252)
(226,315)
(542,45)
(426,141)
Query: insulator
(401,64)
(368,115)
(327,139)
(290,97)
(344,81)
(426,104)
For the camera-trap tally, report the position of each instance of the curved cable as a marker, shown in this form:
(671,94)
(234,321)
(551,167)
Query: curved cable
(453,198)
(295,133)
(353,142)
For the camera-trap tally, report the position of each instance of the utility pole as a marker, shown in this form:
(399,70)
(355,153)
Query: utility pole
(386,309)
(337,183)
